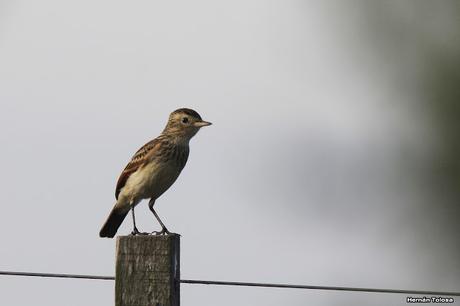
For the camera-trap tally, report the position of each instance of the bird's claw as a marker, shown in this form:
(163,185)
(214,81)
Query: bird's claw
(164,231)
(136,232)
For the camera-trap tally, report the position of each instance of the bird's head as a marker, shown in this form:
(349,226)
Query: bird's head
(184,122)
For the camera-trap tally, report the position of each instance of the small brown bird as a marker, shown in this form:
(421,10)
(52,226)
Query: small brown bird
(153,169)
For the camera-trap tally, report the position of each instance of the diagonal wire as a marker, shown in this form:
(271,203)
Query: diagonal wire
(268,285)
(245,284)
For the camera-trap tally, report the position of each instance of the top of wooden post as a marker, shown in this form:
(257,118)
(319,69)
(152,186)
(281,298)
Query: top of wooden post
(147,270)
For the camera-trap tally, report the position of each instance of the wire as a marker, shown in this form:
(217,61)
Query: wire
(225,283)
(57,275)
(267,285)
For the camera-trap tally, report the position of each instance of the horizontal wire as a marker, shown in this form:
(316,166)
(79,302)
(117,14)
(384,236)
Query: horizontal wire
(57,275)
(226,283)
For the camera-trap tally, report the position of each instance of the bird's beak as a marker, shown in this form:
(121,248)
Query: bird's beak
(201,123)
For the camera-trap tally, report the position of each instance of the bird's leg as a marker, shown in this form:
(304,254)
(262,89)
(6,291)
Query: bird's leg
(135,230)
(164,230)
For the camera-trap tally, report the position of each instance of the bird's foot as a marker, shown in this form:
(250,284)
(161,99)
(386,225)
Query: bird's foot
(164,231)
(136,232)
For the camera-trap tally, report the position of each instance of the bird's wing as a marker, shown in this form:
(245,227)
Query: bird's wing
(139,159)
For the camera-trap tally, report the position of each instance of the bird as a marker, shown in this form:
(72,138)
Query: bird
(153,169)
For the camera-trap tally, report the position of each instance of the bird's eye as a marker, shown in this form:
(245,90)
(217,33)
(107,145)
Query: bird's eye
(184,120)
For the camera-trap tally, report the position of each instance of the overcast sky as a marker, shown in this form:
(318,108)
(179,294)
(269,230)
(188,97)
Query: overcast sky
(307,175)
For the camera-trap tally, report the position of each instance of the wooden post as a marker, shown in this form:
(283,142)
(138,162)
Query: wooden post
(147,270)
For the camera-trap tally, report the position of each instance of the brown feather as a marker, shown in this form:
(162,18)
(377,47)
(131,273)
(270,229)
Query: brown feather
(161,148)
(137,161)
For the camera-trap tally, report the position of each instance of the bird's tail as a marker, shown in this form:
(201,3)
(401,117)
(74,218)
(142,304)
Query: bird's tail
(113,222)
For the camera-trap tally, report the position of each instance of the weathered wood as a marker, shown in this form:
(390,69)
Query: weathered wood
(147,270)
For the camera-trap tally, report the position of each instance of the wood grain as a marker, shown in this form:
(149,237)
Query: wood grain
(147,270)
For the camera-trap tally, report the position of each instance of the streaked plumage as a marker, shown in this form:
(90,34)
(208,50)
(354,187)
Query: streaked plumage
(160,149)
(154,168)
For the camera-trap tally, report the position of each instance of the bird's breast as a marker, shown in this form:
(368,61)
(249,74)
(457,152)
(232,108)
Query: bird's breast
(157,178)
(156,175)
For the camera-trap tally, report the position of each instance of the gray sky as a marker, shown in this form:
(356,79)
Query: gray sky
(308,175)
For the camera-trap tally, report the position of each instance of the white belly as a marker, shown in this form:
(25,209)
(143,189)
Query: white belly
(150,182)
